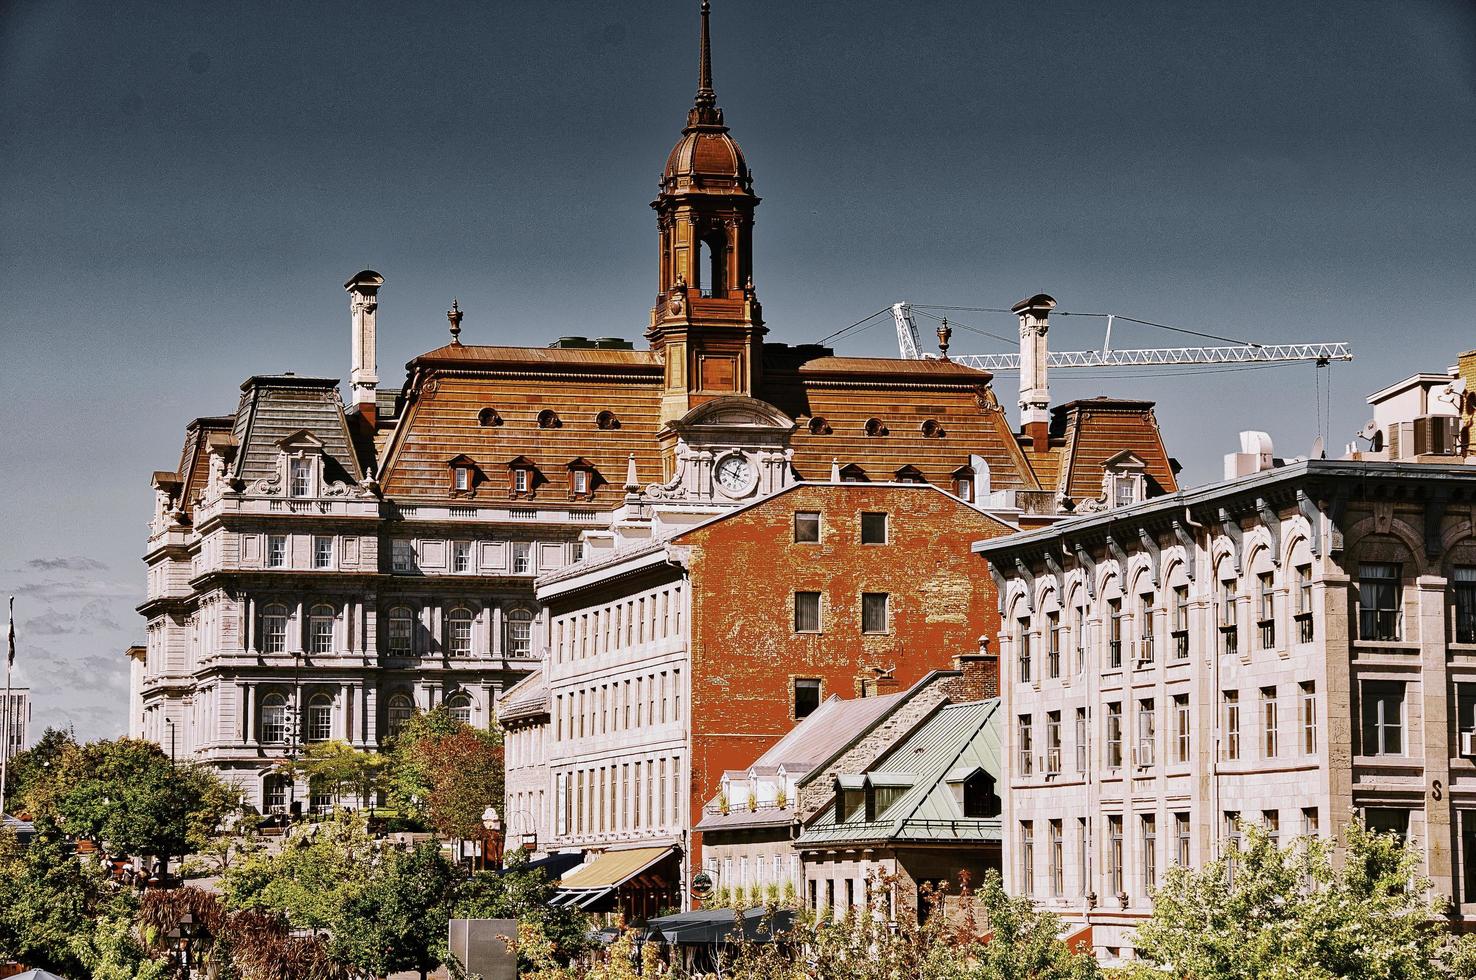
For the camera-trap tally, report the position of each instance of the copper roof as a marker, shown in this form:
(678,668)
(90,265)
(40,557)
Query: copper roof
(550,356)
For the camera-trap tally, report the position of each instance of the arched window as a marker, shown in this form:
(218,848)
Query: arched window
(274,629)
(819,426)
(320,718)
(519,633)
(459,632)
(274,794)
(488,416)
(401,631)
(548,419)
(274,719)
(320,630)
(399,712)
(460,708)
(875,427)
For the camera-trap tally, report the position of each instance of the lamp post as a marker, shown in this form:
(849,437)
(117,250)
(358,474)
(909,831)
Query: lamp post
(170,723)
(492,838)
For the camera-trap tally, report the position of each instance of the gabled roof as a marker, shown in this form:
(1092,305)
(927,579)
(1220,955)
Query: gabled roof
(956,736)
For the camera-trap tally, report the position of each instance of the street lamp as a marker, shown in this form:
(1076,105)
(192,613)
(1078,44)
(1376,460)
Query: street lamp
(492,839)
(170,723)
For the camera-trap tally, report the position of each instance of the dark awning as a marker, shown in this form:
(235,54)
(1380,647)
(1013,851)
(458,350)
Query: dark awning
(709,926)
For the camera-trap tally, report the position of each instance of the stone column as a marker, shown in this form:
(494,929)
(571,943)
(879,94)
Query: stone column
(1331,622)
(248,713)
(1436,695)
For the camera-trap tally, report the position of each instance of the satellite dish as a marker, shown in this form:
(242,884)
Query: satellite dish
(1370,430)
(1319,449)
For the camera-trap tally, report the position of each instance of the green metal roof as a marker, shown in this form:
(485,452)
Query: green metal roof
(956,736)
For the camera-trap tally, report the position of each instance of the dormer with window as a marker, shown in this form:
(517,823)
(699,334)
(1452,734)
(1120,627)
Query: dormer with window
(300,457)
(875,427)
(963,483)
(909,474)
(522,477)
(851,473)
(975,792)
(819,426)
(463,474)
(582,479)
(1124,479)
(606,421)
(850,797)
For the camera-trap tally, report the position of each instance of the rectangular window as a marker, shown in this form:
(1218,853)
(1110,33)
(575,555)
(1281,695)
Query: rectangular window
(1182,839)
(1114,636)
(1266,615)
(1114,735)
(1231,845)
(874,612)
(1079,638)
(276,551)
(461,556)
(1027,858)
(1310,821)
(806,696)
(874,528)
(1147,732)
(1304,604)
(322,552)
(1081,740)
(1027,746)
(807,527)
(1464,587)
(1057,860)
(1053,741)
(1378,602)
(1181,728)
(1387,820)
(1022,645)
(1309,717)
(1229,626)
(807,612)
(522,558)
(1083,856)
(1114,853)
(1149,827)
(1232,724)
(520,481)
(1270,727)
(581,481)
(1146,652)
(1271,820)
(301,477)
(1383,717)
(1181,622)
(1053,645)
(1468,855)
(404,556)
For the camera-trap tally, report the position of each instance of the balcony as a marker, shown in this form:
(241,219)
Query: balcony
(1181,644)
(1304,627)
(1268,633)
(1229,641)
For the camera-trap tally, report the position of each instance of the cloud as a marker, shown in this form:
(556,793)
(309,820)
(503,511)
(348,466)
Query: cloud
(66,564)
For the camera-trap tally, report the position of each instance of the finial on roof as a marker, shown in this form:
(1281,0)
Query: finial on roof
(704,107)
(632,482)
(834,470)
(944,333)
(454,315)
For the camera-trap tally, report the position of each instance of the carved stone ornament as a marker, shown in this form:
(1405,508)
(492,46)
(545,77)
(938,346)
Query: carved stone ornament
(339,488)
(675,488)
(269,486)
(987,400)
(1093,506)
(676,300)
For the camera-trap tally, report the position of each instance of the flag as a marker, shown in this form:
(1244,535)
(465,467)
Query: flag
(11,661)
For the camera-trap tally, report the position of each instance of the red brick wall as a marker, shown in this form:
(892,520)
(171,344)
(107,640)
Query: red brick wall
(746,569)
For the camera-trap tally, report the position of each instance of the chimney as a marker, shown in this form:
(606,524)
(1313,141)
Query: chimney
(363,290)
(1035,392)
(980,672)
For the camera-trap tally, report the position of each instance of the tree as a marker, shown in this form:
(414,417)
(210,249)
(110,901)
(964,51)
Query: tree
(517,892)
(29,766)
(128,794)
(336,767)
(319,867)
(446,773)
(398,920)
(1261,911)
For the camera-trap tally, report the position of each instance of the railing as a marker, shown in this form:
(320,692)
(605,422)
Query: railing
(1145,649)
(1229,640)
(1114,653)
(1304,627)
(1268,634)
(1053,662)
(1181,644)
(1379,625)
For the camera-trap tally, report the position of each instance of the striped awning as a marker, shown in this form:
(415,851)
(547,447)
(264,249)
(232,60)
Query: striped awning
(612,869)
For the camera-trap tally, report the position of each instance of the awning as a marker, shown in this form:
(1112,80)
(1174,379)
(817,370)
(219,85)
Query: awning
(708,926)
(609,871)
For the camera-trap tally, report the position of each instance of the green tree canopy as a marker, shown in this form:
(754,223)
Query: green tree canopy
(339,769)
(29,766)
(318,867)
(397,921)
(517,892)
(445,773)
(1264,912)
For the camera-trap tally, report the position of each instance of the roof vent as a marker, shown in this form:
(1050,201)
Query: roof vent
(572,343)
(1254,456)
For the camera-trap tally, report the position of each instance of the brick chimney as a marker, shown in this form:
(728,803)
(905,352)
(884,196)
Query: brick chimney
(1035,391)
(363,290)
(873,682)
(980,672)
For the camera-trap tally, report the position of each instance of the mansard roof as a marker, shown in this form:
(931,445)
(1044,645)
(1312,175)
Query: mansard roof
(1097,430)
(278,407)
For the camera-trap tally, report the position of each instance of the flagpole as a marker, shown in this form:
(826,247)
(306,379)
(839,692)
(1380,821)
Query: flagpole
(5,713)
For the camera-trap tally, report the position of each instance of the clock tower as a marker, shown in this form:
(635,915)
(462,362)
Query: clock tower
(706,325)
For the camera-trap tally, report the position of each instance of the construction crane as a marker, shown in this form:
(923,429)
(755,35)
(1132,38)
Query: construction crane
(1321,353)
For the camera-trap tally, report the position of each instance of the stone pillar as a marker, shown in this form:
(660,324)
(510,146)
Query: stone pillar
(1436,695)
(1331,622)
(296,639)
(248,628)
(248,713)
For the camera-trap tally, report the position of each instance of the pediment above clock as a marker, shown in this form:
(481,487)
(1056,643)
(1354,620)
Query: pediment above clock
(734,411)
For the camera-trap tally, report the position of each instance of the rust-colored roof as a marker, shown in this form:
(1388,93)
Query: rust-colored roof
(893,367)
(194,461)
(1095,430)
(575,357)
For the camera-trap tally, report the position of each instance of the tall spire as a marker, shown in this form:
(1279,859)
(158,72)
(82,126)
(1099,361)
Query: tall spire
(704,110)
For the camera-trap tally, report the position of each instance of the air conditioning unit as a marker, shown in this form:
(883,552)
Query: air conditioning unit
(1401,440)
(1435,435)
(1468,743)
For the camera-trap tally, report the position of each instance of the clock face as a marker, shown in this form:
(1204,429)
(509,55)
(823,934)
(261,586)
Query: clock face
(734,474)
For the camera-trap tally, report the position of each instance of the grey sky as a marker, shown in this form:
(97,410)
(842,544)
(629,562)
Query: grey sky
(184,187)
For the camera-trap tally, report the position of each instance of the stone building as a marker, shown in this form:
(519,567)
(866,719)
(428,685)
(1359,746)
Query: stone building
(1290,647)
(320,571)
(15,722)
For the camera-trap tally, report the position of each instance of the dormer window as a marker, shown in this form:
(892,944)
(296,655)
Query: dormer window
(581,479)
(932,429)
(910,474)
(548,419)
(522,477)
(819,426)
(851,473)
(301,478)
(875,427)
(606,420)
(1124,479)
(463,476)
(963,483)
(488,417)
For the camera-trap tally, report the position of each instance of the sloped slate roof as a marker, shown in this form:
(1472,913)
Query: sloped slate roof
(528,698)
(1096,429)
(276,406)
(956,735)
